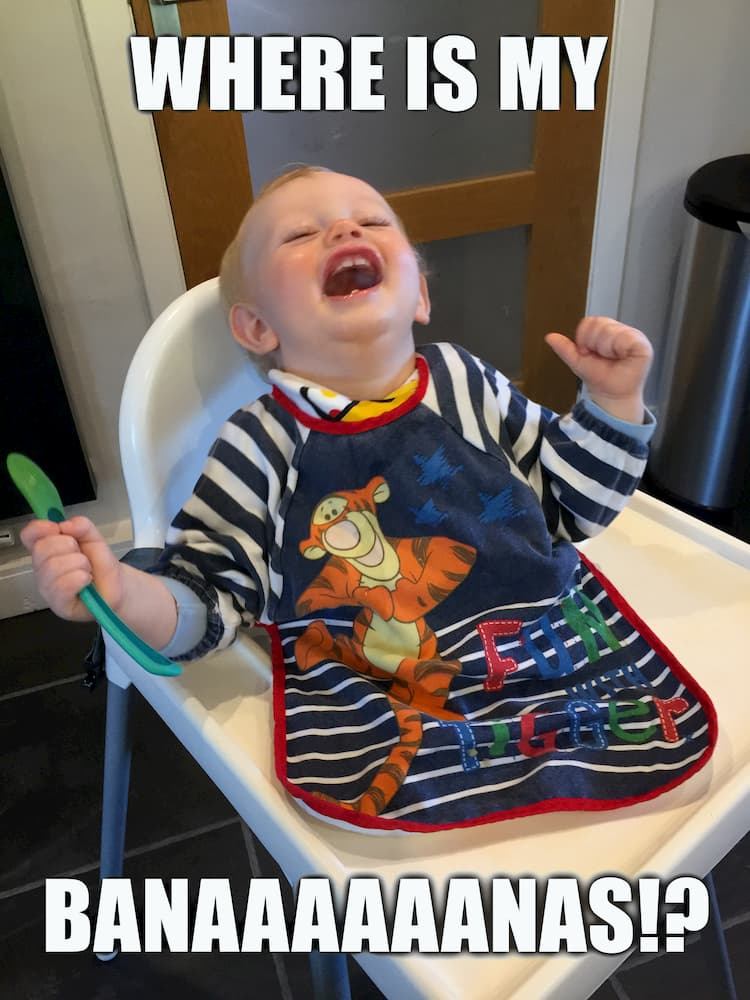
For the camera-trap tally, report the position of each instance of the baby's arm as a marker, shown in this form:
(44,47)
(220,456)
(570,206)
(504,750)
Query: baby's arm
(585,465)
(212,577)
(68,556)
(217,558)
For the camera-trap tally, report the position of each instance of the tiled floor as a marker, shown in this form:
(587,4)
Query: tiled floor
(179,825)
(51,732)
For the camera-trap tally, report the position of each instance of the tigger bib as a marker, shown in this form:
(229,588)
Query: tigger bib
(440,661)
(442,656)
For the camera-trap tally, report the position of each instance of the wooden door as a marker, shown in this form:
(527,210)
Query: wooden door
(208,178)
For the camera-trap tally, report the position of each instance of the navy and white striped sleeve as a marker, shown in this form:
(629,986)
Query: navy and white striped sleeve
(219,543)
(583,466)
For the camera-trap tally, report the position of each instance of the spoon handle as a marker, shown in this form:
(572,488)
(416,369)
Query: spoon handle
(135,647)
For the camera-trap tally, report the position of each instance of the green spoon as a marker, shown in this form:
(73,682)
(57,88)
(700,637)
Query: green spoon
(40,494)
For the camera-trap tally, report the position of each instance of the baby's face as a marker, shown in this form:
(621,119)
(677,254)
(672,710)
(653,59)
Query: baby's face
(327,264)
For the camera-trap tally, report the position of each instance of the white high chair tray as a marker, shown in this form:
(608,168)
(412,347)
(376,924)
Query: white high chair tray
(691,584)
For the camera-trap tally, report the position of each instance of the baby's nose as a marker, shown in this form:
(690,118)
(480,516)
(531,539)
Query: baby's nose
(344,229)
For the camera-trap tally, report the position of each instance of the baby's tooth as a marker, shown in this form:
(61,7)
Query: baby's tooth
(349,262)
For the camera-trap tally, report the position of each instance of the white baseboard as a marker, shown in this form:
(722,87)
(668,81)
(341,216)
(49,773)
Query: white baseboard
(18,593)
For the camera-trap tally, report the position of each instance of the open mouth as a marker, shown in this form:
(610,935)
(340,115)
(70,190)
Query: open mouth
(375,556)
(344,536)
(348,273)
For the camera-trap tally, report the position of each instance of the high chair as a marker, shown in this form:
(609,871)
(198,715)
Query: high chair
(690,582)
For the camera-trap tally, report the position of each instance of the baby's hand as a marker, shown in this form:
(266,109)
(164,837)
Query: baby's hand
(612,359)
(68,556)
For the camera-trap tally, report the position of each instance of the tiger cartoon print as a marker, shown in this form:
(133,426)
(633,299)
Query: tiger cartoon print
(396,581)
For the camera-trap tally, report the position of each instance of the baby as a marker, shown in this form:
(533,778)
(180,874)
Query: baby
(402,523)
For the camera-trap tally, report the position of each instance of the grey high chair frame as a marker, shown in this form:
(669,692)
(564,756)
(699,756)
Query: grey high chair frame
(682,576)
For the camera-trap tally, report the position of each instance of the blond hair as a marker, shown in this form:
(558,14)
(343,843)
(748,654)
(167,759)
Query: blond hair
(232,284)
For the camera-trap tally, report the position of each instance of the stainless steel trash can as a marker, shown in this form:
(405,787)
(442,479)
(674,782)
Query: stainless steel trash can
(701,448)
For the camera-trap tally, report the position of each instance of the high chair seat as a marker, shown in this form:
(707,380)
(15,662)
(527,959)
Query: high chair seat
(690,582)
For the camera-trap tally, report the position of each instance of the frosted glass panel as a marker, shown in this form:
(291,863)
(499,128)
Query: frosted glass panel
(477,288)
(395,148)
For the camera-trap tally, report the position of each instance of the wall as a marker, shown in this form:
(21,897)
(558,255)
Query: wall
(695,110)
(64,184)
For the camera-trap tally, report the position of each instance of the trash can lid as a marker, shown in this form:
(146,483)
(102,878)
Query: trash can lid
(719,192)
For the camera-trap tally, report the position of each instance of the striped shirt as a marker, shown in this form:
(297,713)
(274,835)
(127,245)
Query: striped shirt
(441,654)
(225,544)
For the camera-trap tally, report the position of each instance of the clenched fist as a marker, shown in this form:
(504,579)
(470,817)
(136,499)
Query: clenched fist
(68,556)
(612,360)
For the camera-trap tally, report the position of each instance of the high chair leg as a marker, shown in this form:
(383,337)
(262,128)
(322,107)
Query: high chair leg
(715,946)
(116,783)
(330,976)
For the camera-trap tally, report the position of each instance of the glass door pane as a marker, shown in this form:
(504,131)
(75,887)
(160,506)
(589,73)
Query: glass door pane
(477,288)
(396,148)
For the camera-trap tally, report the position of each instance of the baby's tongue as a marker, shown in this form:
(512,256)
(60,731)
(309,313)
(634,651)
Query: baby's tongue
(351,279)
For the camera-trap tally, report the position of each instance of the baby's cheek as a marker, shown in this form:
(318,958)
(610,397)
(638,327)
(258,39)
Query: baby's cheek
(297,277)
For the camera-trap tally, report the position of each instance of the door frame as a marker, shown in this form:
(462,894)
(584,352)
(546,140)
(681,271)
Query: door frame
(135,153)
(136,156)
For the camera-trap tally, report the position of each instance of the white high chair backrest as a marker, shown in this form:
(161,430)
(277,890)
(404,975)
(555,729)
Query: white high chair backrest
(186,378)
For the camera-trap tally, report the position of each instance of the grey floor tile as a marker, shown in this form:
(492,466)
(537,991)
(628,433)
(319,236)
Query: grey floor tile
(605,992)
(52,753)
(40,648)
(732,881)
(32,974)
(688,975)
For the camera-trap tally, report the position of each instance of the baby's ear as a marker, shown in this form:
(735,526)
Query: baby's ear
(422,315)
(249,330)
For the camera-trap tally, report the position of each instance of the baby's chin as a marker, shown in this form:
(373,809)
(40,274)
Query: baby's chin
(370,330)
(372,309)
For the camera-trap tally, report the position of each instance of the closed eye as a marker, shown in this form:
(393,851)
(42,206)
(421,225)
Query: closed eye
(298,234)
(375,222)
